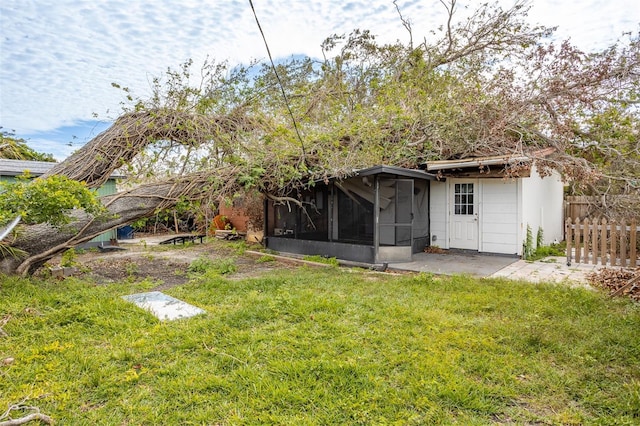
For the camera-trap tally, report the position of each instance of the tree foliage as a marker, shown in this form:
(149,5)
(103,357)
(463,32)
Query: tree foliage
(489,84)
(14,148)
(45,200)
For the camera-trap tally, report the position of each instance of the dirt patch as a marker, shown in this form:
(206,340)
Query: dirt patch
(168,265)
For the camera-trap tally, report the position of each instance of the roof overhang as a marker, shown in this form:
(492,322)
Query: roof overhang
(36,168)
(475,162)
(395,171)
(479,162)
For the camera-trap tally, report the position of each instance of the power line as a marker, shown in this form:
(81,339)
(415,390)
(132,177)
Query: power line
(284,95)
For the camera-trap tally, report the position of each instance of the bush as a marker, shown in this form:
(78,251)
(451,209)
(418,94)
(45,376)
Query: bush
(45,200)
(204,265)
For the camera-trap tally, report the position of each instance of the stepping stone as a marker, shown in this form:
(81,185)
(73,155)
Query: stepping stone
(164,307)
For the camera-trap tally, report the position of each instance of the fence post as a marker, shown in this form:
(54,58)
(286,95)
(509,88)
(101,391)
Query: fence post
(576,240)
(586,244)
(567,237)
(612,236)
(603,242)
(633,243)
(594,241)
(623,243)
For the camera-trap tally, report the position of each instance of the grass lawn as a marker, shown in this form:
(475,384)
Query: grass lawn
(322,346)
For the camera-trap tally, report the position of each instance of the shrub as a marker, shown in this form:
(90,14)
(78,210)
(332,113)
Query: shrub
(204,265)
(46,200)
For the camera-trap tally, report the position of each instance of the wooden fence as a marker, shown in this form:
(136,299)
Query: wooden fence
(578,206)
(598,242)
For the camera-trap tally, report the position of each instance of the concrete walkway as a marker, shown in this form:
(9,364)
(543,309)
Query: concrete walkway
(550,269)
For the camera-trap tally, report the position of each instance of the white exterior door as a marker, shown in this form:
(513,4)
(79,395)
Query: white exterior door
(463,213)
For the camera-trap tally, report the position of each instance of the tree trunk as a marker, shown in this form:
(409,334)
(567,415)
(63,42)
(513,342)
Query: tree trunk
(41,242)
(133,132)
(96,161)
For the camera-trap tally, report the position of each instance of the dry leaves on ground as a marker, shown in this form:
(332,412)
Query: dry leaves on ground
(619,282)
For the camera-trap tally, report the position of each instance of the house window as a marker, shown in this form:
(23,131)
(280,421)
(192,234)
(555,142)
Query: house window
(463,199)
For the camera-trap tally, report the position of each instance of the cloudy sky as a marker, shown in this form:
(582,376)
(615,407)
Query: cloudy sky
(58,58)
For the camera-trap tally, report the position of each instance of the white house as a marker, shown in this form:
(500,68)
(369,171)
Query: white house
(385,214)
(479,208)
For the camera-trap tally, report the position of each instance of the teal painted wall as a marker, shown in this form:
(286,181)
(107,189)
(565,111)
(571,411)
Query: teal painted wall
(108,188)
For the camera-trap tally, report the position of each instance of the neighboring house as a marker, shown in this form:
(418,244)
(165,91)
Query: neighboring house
(9,169)
(384,214)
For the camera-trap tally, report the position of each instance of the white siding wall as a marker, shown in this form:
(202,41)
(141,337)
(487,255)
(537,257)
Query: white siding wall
(439,216)
(542,206)
(499,216)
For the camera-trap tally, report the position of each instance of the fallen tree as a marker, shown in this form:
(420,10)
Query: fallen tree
(43,241)
(489,85)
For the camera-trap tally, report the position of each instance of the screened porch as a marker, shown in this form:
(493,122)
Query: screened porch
(379,215)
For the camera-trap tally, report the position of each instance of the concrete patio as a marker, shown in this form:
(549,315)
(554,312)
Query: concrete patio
(550,269)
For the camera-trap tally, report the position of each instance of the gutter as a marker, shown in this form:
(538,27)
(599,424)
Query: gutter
(437,165)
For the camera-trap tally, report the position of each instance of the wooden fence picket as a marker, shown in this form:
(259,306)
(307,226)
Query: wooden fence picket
(623,243)
(597,240)
(614,242)
(594,242)
(603,242)
(568,235)
(586,244)
(633,244)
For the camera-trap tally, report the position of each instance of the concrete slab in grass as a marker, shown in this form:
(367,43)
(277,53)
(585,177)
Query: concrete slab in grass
(163,306)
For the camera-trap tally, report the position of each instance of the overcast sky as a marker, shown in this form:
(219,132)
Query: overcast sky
(58,58)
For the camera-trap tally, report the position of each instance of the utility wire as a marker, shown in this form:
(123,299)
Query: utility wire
(284,95)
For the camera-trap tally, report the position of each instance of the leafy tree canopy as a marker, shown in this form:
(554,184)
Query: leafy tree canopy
(14,148)
(487,85)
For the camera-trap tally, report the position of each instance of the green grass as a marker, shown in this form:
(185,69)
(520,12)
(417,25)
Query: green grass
(321,347)
(545,251)
(206,266)
(322,259)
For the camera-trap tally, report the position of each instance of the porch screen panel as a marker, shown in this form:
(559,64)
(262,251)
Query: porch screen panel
(404,212)
(314,221)
(355,219)
(396,220)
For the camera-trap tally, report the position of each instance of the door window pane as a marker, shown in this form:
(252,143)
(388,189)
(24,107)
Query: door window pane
(463,199)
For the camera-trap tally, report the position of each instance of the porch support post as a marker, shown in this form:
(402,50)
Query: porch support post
(330,207)
(265,220)
(376,220)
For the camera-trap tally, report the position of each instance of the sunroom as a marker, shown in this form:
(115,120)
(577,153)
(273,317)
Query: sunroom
(378,215)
